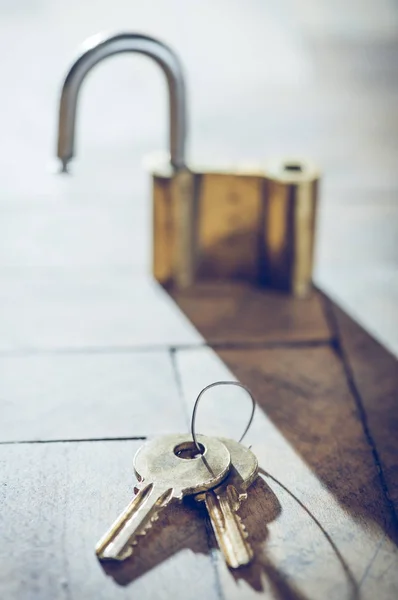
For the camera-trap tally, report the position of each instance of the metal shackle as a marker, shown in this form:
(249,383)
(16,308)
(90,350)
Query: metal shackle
(97,49)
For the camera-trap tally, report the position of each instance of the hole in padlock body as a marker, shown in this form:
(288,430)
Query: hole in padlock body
(293,167)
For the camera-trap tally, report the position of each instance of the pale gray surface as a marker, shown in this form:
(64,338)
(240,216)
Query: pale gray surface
(89,396)
(75,235)
(47,308)
(71,495)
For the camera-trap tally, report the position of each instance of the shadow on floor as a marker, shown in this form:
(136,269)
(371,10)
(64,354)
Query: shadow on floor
(294,359)
(187,526)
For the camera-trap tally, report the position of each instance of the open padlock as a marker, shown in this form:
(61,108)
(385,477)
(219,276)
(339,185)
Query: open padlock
(257,225)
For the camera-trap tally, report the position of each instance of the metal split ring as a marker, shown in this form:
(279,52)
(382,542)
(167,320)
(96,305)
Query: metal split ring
(195,408)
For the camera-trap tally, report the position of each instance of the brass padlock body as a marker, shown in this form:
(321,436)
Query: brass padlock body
(256,226)
(220,219)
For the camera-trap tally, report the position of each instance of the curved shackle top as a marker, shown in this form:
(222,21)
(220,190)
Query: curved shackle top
(97,49)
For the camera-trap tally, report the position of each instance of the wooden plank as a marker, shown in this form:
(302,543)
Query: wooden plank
(58,499)
(308,435)
(86,396)
(373,373)
(86,309)
(234,313)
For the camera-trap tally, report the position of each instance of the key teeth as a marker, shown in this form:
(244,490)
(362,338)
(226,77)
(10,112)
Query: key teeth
(143,532)
(243,526)
(148,526)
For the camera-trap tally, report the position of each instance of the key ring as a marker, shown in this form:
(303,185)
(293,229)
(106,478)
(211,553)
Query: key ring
(195,408)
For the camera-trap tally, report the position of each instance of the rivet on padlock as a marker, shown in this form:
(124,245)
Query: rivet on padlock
(251,224)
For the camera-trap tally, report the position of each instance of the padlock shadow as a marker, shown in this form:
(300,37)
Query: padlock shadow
(186,527)
(291,353)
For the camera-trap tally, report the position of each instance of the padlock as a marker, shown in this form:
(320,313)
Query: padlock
(208,224)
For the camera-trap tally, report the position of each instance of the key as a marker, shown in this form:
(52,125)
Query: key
(223,502)
(167,470)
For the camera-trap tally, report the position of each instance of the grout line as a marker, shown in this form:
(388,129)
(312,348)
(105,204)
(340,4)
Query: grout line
(178,380)
(245,345)
(338,347)
(270,345)
(92,350)
(74,440)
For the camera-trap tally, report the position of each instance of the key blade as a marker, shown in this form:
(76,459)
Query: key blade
(143,510)
(228,527)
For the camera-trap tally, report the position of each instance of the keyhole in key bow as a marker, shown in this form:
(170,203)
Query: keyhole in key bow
(188,450)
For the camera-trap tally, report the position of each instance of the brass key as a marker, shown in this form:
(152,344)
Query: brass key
(223,502)
(165,476)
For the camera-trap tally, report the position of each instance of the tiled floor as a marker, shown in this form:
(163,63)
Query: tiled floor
(93,351)
(271,78)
